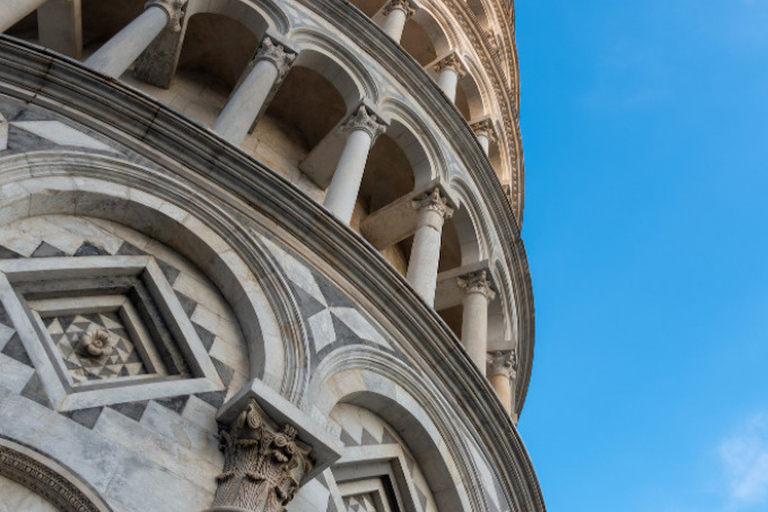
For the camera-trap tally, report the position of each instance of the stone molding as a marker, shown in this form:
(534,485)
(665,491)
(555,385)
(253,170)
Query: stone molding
(25,467)
(434,201)
(276,53)
(366,120)
(477,282)
(451,61)
(501,362)
(175,9)
(263,463)
(404,5)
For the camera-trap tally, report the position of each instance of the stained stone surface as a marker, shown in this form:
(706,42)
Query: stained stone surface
(122,361)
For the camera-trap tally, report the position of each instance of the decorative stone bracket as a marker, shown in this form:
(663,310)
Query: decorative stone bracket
(270,449)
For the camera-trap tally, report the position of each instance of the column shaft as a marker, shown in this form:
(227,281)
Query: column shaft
(485,142)
(124,48)
(474,327)
(13,11)
(395,23)
(448,80)
(345,184)
(503,386)
(425,255)
(239,113)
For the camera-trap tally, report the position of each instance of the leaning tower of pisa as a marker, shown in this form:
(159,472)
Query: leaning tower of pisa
(262,255)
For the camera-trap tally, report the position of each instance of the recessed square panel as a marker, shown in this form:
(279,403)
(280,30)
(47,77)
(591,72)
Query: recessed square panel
(95,325)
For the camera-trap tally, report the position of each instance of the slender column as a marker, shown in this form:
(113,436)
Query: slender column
(474,327)
(13,11)
(485,133)
(501,371)
(363,128)
(425,252)
(272,62)
(397,13)
(263,463)
(450,70)
(117,54)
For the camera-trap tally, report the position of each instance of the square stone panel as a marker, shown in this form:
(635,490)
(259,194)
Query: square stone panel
(104,329)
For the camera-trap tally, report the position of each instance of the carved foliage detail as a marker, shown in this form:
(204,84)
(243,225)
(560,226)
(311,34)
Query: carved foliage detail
(433,201)
(366,121)
(451,61)
(404,5)
(477,282)
(501,362)
(276,53)
(176,10)
(262,465)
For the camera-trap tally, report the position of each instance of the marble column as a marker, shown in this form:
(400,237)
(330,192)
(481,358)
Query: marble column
(485,133)
(501,371)
(397,13)
(474,327)
(425,252)
(450,70)
(362,130)
(13,11)
(272,62)
(263,463)
(117,54)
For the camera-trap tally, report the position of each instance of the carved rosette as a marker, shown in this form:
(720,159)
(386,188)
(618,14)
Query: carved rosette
(484,127)
(404,5)
(176,9)
(433,201)
(277,54)
(451,61)
(477,282)
(365,120)
(263,465)
(96,343)
(501,362)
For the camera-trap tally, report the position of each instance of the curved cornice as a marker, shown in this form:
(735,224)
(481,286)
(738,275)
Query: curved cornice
(175,142)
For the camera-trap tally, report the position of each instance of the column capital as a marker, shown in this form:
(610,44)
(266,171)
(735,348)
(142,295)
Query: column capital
(434,201)
(501,362)
(450,61)
(485,127)
(404,5)
(477,282)
(175,9)
(277,53)
(263,463)
(364,119)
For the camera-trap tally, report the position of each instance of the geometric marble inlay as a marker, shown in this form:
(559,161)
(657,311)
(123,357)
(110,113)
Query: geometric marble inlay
(67,333)
(361,503)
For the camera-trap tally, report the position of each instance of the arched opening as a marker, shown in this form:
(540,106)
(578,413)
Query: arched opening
(423,38)
(469,99)
(102,20)
(369,7)
(478,9)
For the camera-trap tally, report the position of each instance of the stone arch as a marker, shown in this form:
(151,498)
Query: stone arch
(427,36)
(189,222)
(481,12)
(387,387)
(471,94)
(45,477)
(473,234)
(337,64)
(502,311)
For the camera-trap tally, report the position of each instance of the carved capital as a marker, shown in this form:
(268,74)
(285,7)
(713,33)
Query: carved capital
(263,464)
(477,282)
(365,120)
(502,362)
(484,127)
(276,53)
(404,5)
(451,61)
(433,201)
(176,9)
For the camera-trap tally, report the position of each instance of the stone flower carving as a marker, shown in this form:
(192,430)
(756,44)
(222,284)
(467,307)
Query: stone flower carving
(96,343)
(262,465)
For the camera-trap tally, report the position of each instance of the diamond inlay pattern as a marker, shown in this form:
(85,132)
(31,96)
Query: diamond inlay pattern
(360,503)
(122,361)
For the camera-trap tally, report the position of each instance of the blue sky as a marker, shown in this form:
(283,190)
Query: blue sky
(646,148)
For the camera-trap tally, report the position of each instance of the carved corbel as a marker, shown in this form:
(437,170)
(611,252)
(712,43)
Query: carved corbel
(263,463)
